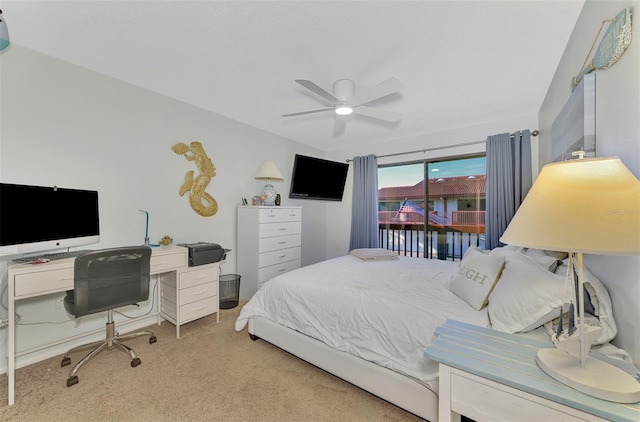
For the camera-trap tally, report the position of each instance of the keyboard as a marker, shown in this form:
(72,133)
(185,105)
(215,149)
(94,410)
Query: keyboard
(51,256)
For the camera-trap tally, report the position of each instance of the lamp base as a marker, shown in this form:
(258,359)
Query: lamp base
(597,378)
(269,195)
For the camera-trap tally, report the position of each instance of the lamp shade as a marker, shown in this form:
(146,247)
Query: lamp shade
(583,206)
(269,171)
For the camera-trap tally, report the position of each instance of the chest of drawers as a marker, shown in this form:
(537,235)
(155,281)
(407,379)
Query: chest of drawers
(189,294)
(269,243)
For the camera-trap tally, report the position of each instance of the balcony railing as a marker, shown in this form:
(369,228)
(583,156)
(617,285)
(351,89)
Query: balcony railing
(444,238)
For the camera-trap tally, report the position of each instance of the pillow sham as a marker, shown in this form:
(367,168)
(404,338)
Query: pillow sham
(541,257)
(526,296)
(477,274)
(547,259)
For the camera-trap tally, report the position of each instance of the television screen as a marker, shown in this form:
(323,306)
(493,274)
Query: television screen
(39,218)
(315,178)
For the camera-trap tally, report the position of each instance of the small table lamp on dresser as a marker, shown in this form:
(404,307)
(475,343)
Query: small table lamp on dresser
(582,206)
(269,172)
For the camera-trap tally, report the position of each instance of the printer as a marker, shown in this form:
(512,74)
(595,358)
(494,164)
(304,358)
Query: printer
(201,253)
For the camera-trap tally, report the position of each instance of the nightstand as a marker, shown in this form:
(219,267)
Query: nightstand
(490,375)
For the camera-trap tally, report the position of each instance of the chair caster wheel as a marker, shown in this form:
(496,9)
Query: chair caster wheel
(72,381)
(135,362)
(66,361)
(152,339)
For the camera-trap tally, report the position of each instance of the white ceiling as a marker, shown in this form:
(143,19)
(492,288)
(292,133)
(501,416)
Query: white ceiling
(461,62)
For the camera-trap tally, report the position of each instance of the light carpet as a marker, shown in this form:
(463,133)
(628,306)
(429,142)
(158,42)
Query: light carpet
(211,373)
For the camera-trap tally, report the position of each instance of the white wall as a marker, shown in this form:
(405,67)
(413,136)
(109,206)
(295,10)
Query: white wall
(67,126)
(617,134)
(339,214)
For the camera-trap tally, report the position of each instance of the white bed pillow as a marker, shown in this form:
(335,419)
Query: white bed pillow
(374,254)
(477,274)
(548,259)
(526,296)
(550,263)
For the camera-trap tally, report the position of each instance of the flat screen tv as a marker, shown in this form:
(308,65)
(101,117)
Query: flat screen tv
(315,178)
(41,218)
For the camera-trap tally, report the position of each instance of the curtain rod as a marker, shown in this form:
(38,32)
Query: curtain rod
(534,133)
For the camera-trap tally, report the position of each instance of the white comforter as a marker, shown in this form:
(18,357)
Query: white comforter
(382,311)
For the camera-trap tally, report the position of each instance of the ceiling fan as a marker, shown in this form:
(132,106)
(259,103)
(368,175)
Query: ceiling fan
(344,101)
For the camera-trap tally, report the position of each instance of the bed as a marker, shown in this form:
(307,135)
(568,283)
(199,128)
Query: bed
(368,316)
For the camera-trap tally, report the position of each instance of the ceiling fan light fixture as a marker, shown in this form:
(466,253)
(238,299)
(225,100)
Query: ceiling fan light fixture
(344,110)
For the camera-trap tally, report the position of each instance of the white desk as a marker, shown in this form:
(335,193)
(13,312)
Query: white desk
(169,262)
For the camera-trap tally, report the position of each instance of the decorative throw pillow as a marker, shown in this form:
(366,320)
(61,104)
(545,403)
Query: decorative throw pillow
(477,274)
(526,296)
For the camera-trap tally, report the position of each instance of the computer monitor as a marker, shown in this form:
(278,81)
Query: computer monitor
(40,218)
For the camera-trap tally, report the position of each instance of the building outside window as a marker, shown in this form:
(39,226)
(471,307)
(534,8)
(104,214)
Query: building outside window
(453,218)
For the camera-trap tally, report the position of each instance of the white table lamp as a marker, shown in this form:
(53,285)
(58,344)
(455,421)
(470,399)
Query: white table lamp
(269,172)
(582,206)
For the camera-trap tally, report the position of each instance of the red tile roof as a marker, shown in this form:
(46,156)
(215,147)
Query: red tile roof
(446,187)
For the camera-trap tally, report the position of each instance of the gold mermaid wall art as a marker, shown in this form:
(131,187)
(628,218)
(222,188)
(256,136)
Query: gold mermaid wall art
(200,201)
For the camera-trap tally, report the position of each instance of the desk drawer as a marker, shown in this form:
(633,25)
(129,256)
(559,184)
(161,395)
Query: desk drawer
(280,229)
(167,262)
(54,280)
(198,309)
(192,277)
(277,257)
(195,293)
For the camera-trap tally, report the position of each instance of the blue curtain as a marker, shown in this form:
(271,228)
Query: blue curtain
(364,204)
(508,181)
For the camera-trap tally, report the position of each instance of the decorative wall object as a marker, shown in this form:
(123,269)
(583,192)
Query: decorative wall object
(200,201)
(614,42)
(575,127)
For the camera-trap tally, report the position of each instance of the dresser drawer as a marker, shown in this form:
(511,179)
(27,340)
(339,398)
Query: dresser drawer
(277,215)
(277,257)
(267,273)
(167,262)
(199,292)
(195,310)
(55,280)
(269,244)
(280,229)
(193,277)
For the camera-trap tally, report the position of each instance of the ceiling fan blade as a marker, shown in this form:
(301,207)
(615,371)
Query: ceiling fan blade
(318,91)
(300,113)
(376,113)
(383,89)
(339,125)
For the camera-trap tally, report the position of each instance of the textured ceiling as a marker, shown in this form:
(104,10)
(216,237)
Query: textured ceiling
(461,62)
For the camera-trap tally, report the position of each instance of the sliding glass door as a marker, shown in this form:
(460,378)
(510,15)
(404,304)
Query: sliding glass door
(438,219)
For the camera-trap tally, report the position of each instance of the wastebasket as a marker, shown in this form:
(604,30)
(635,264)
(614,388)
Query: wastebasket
(229,290)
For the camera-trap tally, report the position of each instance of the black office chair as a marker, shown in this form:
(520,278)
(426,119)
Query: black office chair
(104,280)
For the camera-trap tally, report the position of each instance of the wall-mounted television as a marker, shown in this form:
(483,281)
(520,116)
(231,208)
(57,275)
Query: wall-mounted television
(42,218)
(316,178)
